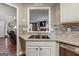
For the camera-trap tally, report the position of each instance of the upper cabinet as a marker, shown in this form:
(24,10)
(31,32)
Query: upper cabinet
(69,12)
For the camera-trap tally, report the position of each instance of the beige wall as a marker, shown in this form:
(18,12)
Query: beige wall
(6,12)
(21,10)
(55,14)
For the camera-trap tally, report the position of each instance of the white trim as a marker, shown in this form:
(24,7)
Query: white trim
(28,19)
(49,8)
(17,42)
(11,5)
(39,7)
(49,19)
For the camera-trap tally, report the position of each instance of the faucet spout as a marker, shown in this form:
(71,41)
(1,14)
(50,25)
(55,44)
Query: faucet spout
(39,34)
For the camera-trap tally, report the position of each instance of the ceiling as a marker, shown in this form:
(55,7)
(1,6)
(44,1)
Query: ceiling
(37,4)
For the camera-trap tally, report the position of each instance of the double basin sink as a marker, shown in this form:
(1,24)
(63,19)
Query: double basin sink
(39,37)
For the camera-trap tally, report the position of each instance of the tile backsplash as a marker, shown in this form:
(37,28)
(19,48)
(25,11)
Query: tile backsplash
(72,26)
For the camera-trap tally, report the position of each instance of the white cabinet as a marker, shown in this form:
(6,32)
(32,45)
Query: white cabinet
(32,51)
(45,51)
(69,12)
(39,51)
(41,48)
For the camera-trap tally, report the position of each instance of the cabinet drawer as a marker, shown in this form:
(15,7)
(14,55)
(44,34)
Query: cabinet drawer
(40,43)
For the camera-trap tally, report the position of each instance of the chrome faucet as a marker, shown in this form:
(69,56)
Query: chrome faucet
(39,34)
(39,31)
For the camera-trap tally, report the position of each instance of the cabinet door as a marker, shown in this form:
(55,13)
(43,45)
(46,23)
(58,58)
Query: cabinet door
(66,52)
(32,51)
(62,51)
(69,12)
(45,51)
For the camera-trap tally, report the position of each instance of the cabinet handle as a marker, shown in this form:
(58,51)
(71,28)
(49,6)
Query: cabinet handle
(40,48)
(36,48)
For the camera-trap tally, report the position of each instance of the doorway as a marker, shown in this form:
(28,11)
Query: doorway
(8,33)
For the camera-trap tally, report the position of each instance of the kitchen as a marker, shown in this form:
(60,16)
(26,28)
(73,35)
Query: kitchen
(48,29)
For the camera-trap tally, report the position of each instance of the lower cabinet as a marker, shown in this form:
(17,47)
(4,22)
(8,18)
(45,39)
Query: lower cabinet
(39,51)
(67,50)
(45,51)
(32,51)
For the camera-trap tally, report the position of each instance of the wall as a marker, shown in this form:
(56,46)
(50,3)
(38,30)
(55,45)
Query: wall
(55,14)
(69,12)
(21,12)
(1,29)
(5,13)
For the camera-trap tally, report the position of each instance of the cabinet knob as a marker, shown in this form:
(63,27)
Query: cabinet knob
(40,48)
(36,48)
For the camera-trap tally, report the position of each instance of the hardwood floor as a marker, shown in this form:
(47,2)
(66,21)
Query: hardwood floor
(7,48)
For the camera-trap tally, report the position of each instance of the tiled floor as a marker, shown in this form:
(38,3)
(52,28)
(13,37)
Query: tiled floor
(7,48)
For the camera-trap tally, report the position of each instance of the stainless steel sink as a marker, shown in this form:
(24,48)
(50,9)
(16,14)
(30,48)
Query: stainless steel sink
(39,37)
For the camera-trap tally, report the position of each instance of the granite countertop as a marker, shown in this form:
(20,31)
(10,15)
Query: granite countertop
(71,38)
(66,38)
